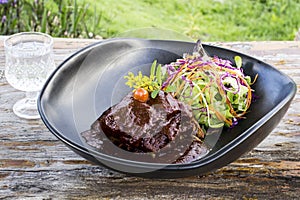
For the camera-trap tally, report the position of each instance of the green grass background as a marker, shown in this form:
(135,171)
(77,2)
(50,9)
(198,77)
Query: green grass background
(210,20)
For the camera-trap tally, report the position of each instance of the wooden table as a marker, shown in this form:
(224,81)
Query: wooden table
(34,164)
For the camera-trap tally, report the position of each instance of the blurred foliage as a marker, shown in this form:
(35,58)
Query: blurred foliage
(210,20)
(59,18)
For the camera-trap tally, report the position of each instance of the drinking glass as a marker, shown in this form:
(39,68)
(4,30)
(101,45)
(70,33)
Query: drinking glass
(29,61)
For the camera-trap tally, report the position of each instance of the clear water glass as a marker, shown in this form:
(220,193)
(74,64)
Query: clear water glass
(29,62)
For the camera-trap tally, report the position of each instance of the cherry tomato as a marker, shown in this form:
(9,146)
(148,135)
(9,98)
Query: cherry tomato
(140,94)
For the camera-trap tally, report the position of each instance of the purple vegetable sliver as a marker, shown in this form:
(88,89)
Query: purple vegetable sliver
(234,123)
(226,66)
(181,61)
(227,63)
(223,76)
(184,78)
(191,66)
(254,97)
(190,83)
(199,65)
(226,88)
(166,83)
(239,87)
(170,69)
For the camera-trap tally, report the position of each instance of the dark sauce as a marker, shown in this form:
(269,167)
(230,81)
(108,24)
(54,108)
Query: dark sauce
(161,130)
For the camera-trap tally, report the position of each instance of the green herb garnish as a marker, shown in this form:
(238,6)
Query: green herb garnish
(150,83)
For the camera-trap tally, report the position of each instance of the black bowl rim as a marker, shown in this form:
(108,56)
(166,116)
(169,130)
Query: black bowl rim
(203,161)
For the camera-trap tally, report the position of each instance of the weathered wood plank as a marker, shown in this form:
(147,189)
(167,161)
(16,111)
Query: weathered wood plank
(34,164)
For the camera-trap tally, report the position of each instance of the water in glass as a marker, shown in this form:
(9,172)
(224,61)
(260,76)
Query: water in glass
(29,61)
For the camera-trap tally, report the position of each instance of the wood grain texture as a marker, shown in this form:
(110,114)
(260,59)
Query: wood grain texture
(35,165)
